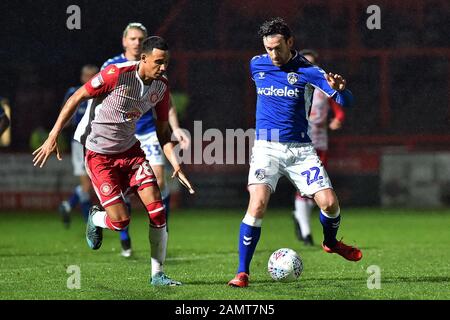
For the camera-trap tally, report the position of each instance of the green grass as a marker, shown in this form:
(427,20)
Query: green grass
(410,247)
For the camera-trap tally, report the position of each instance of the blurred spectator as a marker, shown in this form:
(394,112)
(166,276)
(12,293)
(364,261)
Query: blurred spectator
(4,120)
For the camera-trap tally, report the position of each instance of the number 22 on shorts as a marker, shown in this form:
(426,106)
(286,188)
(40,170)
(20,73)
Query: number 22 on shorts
(312,172)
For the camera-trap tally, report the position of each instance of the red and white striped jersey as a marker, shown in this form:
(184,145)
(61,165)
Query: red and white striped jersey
(318,118)
(120,99)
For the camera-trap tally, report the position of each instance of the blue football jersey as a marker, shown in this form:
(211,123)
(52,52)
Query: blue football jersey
(284,96)
(146,123)
(114,60)
(81,108)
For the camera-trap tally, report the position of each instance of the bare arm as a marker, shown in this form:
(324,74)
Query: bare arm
(179,134)
(50,145)
(173,117)
(163,133)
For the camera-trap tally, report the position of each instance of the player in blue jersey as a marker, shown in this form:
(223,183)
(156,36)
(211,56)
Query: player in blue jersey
(81,194)
(285,82)
(132,38)
(4,120)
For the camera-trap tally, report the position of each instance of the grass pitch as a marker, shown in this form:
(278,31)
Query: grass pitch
(409,246)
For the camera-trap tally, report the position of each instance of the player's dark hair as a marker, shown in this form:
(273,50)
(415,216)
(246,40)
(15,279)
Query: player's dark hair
(154,42)
(275,26)
(310,52)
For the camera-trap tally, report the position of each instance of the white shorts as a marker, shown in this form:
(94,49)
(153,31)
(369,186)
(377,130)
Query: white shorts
(79,168)
(153,151)
(297,161)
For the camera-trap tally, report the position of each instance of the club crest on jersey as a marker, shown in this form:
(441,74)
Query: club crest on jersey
(261,75)
(292,77)
(260,174)
(97,81)
(154,97)
(106,189)
(132,115)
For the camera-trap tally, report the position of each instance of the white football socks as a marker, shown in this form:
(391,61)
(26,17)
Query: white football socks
(158,248)
(99,219)
(252,221)
(303,208)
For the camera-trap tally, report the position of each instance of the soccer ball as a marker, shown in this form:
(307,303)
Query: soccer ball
(285,265)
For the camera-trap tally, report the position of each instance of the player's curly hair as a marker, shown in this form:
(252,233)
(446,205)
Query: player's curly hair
(275,26)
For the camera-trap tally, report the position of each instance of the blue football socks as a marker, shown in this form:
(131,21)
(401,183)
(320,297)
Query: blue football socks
(330,229)
(248,239)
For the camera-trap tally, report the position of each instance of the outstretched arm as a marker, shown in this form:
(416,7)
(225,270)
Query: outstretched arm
(343,96)
(163,133)
(50,145)
(102,83)
(333,85)
(164,137)
(179,134)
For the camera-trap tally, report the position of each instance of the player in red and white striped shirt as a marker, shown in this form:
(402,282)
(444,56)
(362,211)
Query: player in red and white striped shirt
(318,124)
(114,160)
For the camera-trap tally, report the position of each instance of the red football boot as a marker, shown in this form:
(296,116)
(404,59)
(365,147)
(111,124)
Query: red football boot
(240,280)
(348,252)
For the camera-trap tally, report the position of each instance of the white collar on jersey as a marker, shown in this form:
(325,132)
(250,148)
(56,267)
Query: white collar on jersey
(144,87)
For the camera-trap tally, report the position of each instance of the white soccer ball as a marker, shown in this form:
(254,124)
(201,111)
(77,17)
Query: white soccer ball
(285,265)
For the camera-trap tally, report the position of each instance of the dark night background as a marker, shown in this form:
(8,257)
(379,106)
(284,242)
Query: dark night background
(40,57)
(399,75)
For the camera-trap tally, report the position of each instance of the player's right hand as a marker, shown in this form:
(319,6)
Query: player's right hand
(183,180)
(42,153)
(336,81)
(182,138)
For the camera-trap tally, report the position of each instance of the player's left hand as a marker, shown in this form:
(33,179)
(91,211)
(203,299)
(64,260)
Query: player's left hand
(182,138)
(183,180)
(335,124)
(43,152)
(336,81)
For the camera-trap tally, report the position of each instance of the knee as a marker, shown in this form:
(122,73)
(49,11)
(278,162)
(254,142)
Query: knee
(330,206)
(156,214)
(161,182)
(259,198)
(257,208)
(120,225)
